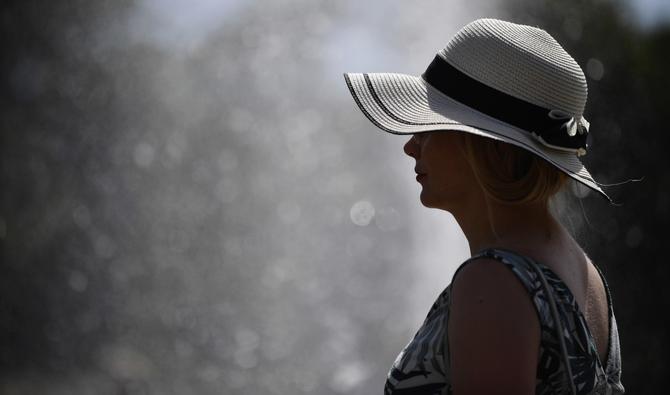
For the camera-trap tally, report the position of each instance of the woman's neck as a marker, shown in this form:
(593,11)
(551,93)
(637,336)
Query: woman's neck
(516,227)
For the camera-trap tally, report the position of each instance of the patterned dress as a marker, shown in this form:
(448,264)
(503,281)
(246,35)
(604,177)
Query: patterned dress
(422,368)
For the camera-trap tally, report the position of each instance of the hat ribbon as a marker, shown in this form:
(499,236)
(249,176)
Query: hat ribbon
(554,128)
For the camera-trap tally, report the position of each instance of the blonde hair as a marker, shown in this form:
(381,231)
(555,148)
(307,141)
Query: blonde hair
(509,174)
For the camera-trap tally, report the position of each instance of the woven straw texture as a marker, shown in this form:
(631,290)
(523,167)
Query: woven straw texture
(522,61)
(406,104)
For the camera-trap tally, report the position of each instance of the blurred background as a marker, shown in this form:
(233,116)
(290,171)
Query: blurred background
(192,204)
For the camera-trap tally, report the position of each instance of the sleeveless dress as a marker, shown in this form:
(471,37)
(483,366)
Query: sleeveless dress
(422,368)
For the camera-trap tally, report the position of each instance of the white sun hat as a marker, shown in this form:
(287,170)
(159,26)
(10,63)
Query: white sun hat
(497,79)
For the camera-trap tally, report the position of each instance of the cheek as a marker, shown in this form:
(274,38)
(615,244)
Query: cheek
(451,179)
(450,162)
(452,175)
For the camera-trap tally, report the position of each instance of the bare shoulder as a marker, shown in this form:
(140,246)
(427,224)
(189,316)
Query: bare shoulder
(487,291)
(493,331)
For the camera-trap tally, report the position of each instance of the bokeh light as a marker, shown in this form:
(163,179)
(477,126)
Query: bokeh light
(192,203)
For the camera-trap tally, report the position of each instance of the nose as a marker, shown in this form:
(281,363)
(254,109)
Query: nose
(411,147)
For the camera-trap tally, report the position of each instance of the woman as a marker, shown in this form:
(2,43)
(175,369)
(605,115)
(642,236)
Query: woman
(497,130)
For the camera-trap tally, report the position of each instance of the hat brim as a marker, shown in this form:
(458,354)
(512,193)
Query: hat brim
(406,104)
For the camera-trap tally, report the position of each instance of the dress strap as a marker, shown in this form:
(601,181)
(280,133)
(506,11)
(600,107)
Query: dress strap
(532,277)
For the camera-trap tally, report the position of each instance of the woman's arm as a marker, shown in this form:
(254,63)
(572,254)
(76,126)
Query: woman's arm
(493,331)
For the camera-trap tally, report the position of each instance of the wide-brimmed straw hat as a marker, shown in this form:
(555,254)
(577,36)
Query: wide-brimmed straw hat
(496,79)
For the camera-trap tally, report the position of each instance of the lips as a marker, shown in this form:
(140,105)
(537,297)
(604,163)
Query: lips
(420,175)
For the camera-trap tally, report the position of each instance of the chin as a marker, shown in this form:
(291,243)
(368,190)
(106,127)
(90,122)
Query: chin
(427,201)
(430,201)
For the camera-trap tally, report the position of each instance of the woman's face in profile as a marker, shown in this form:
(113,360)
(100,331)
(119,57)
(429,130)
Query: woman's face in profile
(448,180)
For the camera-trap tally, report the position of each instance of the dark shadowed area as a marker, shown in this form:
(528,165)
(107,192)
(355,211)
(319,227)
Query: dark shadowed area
(192,204)
(629,88)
